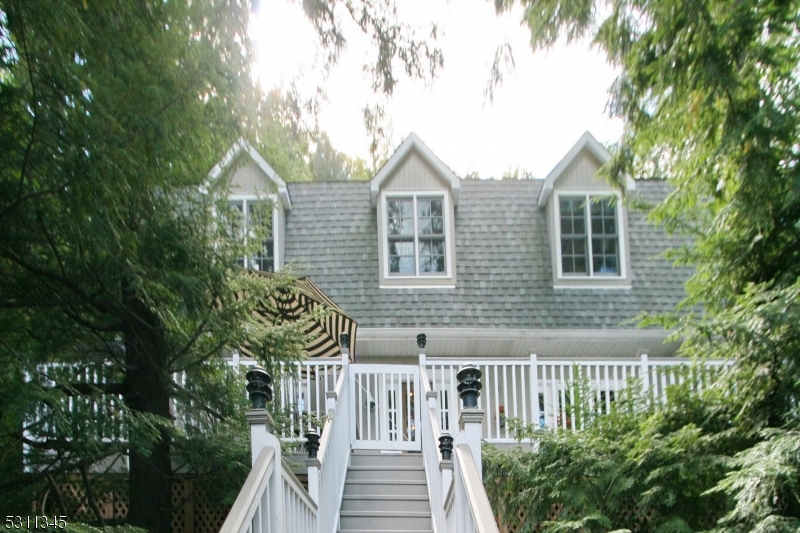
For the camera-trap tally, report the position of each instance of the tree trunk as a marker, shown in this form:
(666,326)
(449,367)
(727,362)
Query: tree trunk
(150,475)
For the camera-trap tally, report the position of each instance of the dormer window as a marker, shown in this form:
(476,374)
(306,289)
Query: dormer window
(589,240)
(587,223)
(416,238)
(255,221)
(260,198)
(415,196)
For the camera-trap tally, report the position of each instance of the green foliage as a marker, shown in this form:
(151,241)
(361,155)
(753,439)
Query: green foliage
(766,486)
(113,257)
(636,468)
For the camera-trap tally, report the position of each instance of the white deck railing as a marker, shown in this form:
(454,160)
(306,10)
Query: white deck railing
(251,511)
(468,488)
(299,510)
(255,510)
(560,390)
(300,391)
(334,455)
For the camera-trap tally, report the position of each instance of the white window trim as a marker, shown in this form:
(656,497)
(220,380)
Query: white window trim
(445,216)
(276,238)
(446,280)
(621,238)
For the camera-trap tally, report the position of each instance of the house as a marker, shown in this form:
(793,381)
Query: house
(537,283)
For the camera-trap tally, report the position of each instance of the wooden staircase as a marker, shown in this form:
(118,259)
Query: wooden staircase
(385,492)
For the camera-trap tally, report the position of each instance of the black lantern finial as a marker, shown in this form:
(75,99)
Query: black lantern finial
(422,339)
(446,446)
(259,387)
(345,340)
(312,444)
(469,384)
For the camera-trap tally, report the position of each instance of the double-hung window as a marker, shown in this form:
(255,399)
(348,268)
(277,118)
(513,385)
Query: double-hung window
(589,235)
(416,235)
(253,220)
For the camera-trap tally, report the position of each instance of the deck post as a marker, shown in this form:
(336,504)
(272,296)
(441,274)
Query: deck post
(422,340)
(261,436)
(645,374)
(535,414)
(313,464)
(470,420)
(345,343)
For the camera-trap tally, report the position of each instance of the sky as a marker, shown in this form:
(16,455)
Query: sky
(543,107)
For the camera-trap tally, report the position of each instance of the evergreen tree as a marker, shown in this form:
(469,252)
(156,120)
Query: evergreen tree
(111,259)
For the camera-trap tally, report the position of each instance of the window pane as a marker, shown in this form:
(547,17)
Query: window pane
(265,259)
(237,220)
(580,264)
(424,207)
(579,225)
(407,265)
(430,220)
(401,257)
(400,218)
(425,264)
(425,226)
(431,255)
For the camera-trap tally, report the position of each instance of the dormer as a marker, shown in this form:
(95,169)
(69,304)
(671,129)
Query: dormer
(587,223)
(415,196)
(258,192)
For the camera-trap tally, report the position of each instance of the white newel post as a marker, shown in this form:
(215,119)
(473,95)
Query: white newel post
(345,344)
(313,464)
(259,387)
(331,397)
(470,421)
(645,374)
(535,414)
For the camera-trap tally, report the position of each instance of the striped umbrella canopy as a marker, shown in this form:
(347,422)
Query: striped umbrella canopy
(303,298)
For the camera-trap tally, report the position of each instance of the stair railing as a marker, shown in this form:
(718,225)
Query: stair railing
(432,456)
(469,496)
(334,454)
(455,483)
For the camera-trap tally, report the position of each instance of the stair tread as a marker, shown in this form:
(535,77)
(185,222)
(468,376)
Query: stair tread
(381,468)
(392,497)
(385,530)
(386,481)
(397,514)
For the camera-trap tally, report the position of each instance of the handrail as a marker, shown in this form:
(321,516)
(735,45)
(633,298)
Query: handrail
(431,457)
(334,453)
(250,498)
(326,433)
(478,502)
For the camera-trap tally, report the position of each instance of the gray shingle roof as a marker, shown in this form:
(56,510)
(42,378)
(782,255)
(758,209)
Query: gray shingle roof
(502,259)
